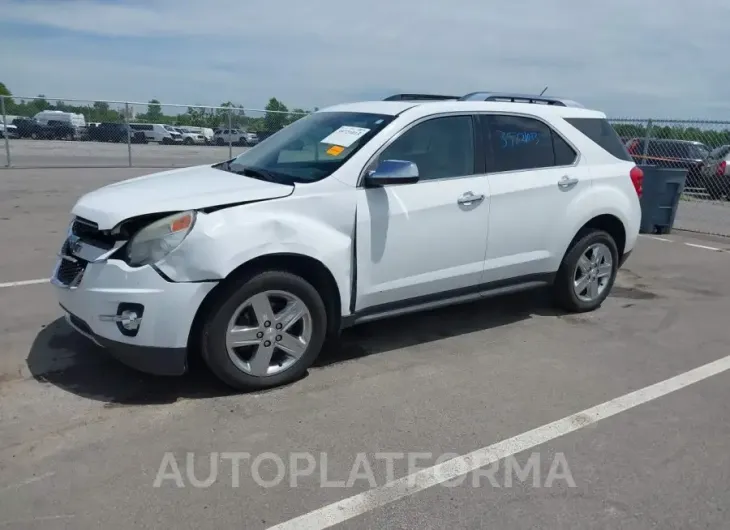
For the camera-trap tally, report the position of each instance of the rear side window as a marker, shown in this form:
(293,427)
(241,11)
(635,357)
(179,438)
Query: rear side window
(601,132)
(521,143)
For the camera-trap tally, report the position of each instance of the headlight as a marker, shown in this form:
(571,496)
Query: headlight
(158,239)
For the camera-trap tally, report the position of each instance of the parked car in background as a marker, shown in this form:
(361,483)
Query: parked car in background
(29,128)
(116,132)
(8,130)
(156,132)
(207,133)
(715,174)
(680,154)
(61,130)
(235,137)
(63,122)
(190,137)
(251,138)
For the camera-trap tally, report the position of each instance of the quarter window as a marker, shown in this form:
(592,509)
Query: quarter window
(526,143)
(440,147)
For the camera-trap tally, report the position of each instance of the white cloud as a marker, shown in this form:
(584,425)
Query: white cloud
(629,58)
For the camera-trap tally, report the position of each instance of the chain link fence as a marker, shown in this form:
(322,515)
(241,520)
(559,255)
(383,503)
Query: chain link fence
(700,147)
(40,132)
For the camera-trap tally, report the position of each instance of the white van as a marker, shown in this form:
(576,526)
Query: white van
(71,118)
(156,132)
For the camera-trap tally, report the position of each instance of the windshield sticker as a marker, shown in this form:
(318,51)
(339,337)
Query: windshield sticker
(335,150)
(346,136)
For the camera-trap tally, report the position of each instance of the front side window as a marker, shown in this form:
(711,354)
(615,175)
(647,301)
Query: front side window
(520,143)
(440,147)
(311,148)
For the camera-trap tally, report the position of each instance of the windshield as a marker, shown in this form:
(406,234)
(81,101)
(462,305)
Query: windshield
(311,148)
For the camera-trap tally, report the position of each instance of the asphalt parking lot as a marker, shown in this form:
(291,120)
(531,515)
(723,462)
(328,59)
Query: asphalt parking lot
(35,154)
(83,440)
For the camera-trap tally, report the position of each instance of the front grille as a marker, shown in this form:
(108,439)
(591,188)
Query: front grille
(70,272)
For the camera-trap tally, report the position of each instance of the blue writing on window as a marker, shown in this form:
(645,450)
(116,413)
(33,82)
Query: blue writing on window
(515,139)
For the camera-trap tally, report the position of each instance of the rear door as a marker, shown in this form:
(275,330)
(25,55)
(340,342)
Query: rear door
(533,177)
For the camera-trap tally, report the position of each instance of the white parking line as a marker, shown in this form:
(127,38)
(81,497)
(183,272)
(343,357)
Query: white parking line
(24,282)
(350,507)
(661,239)
(704,247)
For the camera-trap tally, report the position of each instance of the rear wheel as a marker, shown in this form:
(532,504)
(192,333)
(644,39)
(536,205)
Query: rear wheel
(587,273)
(265,331)
(188,141)
(220,141)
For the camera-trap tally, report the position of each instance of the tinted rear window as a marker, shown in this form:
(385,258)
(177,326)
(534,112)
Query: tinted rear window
(601,132)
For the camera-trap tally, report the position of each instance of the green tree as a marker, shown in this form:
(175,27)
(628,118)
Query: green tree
(154,111)
(277,116)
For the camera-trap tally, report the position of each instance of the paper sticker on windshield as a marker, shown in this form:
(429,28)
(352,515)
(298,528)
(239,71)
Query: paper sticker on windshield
(345,136)
(335,150)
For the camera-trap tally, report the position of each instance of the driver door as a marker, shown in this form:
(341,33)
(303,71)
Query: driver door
(426,240)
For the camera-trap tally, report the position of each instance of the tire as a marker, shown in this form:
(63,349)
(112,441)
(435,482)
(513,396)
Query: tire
(243,373)
(34,136)
(188,141)
(564,292)
(220,141)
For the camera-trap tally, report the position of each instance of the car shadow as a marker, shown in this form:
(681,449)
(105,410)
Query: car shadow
(62,357)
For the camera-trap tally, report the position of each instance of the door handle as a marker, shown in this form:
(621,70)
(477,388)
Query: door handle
(470,198)
(567,182)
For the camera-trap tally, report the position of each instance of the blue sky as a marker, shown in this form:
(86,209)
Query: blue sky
(629,58)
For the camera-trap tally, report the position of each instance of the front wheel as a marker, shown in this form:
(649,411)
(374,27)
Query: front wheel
(587,273)
(265,331)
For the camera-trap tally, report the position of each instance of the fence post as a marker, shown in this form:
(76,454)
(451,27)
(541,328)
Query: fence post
(5,131)
(129,134)
(647,139)
(230,134)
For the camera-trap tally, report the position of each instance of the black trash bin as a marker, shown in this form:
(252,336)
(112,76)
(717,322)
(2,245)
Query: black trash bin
(662,188)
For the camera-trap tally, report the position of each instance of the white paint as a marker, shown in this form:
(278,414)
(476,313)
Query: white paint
(703,247)
(345,136)
(661,239)
(367,501)
(37,519)
(24,282)
(29,481)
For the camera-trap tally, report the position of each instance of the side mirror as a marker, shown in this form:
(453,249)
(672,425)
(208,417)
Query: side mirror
(392,172)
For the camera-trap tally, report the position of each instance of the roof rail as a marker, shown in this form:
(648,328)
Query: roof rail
(520,98)
(419,97)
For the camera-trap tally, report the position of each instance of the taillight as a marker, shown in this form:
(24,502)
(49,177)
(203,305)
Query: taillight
(720,171)
(637,179)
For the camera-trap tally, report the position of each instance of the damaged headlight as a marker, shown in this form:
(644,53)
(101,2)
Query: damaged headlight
(158,239)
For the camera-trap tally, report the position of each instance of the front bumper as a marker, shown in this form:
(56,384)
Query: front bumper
(95,302)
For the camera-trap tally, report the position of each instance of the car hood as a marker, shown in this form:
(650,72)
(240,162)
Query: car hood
(170,191)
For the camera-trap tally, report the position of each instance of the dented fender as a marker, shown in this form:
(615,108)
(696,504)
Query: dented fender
(309,225)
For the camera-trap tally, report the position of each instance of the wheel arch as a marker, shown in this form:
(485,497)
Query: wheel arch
(310,269)
(607,222)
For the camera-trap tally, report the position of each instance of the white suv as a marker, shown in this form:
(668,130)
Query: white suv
(353,213)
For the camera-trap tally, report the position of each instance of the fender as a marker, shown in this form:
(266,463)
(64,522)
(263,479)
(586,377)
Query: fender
(595,201)
(224,240)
